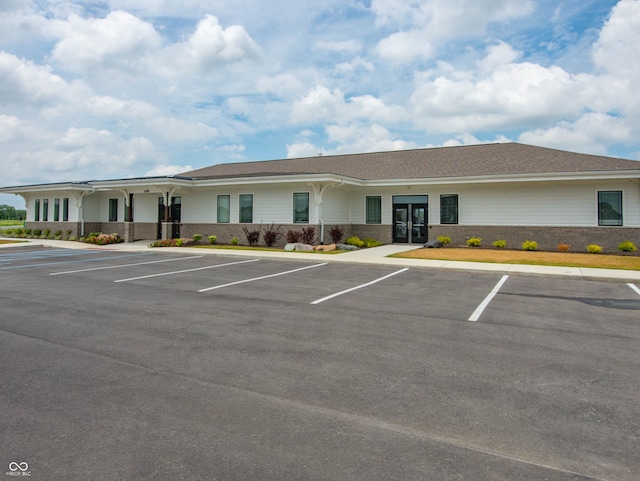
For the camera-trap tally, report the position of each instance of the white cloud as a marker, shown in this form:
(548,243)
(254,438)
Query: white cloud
(29,85)
(210,47)
(166,170)
(321,104)
(405,46)
(424,23)
(351,139)
(345,46)
(591,133)
(512,96)
(354,66)
(282,85)
(14,5)
(118,42)
(498,56)
(617,46)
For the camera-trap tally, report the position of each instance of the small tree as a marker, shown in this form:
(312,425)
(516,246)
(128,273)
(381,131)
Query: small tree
(336,233)
(308,234)
(253,236)
(271,235)
(293,236)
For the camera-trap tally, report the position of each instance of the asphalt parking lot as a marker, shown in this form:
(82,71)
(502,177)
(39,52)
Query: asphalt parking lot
(153,365)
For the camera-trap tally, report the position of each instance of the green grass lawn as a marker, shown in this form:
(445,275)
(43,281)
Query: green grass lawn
(11,223)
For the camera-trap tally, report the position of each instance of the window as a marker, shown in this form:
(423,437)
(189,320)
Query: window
(224,202)
(113,210)
(65,210)
(56,210)
(246,208)
(301,207)
(449,209)
(610,207)
(374,209)
(45,210)
(36,211)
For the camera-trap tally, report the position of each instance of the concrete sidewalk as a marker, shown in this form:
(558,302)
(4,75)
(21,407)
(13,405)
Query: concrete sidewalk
(375,255)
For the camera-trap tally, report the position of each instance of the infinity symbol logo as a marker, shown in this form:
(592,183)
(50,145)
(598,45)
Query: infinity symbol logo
(13,466)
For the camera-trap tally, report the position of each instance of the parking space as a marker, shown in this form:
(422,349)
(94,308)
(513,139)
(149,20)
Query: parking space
(255,368)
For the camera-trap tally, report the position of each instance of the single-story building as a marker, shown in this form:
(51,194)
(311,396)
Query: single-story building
(507,191)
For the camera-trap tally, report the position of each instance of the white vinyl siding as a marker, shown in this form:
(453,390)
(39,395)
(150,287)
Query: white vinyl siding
(91,209)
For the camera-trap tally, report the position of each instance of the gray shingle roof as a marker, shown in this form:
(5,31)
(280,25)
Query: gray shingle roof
(459,161)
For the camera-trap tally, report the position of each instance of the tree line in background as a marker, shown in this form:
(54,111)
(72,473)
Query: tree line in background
(8,212)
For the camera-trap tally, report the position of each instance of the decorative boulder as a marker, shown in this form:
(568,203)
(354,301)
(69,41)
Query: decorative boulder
(347,247)
(326,248)
(433,244)
(298,246)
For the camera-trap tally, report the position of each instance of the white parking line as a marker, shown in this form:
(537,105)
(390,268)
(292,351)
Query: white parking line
(260,278)
(318,301)
(480,309)
(185,270)
(635,288)
(123,265)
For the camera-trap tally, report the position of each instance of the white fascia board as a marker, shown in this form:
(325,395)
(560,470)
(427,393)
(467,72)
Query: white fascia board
(277,179)
(141,183)
(26,189)
(489,179)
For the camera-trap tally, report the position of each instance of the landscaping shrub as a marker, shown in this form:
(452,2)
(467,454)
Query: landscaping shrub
(293,236)
(444,239)
(37,232)
(627,246)
(354,241)
(252,235)
(103,239)
(563,247)
(271,235)
(197,237)
(530,245)
(46,233)
(594,249)
(336,233)
(500,244)
(57,234)
(369,242)
(68,233)
(213,238)
(235,241)
(167,243)
(308,235)
(474,241)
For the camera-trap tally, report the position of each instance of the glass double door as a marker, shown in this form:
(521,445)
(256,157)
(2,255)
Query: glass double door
(410,223)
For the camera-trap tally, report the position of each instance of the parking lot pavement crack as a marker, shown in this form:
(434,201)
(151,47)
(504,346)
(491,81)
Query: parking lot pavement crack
(301,406)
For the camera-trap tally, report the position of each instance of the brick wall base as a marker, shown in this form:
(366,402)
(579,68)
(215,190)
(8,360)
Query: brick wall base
(548,238)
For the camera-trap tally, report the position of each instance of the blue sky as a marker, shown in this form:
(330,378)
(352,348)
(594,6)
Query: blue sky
(127,88)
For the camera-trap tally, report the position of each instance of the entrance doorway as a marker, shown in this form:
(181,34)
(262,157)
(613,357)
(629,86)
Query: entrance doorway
(174,216)
(410,218)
